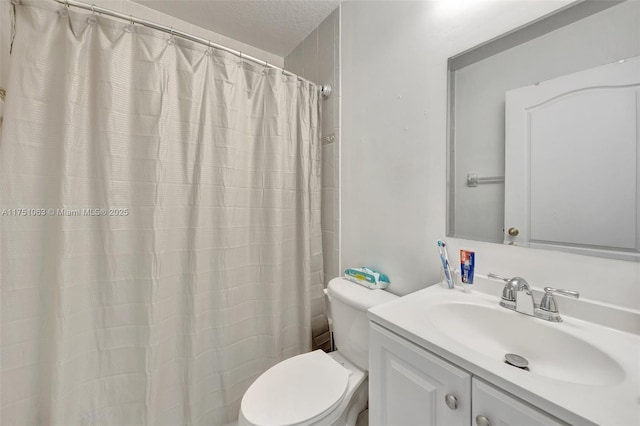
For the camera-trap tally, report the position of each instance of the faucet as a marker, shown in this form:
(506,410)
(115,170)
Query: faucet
(518,296)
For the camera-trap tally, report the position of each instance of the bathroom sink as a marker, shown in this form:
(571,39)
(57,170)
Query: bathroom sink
(550,351)
(582,371)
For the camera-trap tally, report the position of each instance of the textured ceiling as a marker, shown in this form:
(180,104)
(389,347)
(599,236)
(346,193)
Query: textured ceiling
(276,26)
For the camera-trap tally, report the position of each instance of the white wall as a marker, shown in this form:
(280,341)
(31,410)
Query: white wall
(479,103)
(393,150)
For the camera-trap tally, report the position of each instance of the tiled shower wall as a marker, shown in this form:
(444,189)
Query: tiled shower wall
(317,59)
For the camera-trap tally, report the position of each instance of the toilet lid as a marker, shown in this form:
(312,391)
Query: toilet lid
(295,390)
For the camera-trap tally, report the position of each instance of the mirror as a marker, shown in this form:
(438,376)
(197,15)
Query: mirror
(544,134)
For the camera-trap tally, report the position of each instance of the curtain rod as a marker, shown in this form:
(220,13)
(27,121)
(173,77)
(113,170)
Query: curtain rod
(325,90)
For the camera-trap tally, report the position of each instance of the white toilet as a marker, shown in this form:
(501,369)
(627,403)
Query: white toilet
(317,388)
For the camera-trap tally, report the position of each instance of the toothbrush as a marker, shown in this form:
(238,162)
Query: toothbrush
(444,257)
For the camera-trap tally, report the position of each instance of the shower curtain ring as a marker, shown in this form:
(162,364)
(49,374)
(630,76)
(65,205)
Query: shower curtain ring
(92,19)
(65,10)
(129,27)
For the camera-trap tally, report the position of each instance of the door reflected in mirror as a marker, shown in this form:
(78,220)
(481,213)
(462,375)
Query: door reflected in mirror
(544,134)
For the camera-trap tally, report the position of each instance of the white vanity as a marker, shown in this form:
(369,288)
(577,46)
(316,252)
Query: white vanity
(437,358)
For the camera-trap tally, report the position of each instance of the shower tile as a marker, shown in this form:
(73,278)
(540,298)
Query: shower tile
(331,266)
(310,59)
(330,256)
(328,114)
(326,52)
(316,292)
(326,32)
(326,71)
(328,166)
(317,306)
(328,209)
(319,323)
(294,62)
(327,246)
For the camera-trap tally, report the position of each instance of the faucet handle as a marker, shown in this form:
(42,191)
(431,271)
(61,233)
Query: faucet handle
(548,302)
(518,283)
(498,277)
(570,293)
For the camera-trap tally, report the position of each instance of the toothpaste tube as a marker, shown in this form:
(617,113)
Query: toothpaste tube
(467,266)
(367,277)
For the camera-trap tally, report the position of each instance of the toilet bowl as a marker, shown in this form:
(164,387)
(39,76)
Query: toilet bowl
(317,388)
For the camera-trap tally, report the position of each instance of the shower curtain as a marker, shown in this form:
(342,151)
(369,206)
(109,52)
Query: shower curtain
(160,228)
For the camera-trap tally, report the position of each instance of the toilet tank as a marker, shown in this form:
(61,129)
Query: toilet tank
(349,304)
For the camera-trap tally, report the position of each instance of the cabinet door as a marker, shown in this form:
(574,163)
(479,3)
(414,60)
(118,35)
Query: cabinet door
(408,385)
(495,407)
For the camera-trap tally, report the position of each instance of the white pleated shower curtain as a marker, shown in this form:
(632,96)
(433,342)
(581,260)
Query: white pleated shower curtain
(161,242)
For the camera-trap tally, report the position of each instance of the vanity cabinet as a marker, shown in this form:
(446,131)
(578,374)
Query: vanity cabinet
(492,406)
(408,385)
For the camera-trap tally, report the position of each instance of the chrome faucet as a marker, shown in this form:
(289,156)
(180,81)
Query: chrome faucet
(517,296)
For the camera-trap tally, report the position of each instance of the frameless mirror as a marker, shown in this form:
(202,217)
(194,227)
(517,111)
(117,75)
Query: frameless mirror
(544,134)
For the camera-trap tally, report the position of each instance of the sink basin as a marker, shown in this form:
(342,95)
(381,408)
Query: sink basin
(551,352)
(583,372)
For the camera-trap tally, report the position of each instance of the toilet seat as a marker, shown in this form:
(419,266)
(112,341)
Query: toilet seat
(298,390)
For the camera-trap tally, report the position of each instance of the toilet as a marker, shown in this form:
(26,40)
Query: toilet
(317,388)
